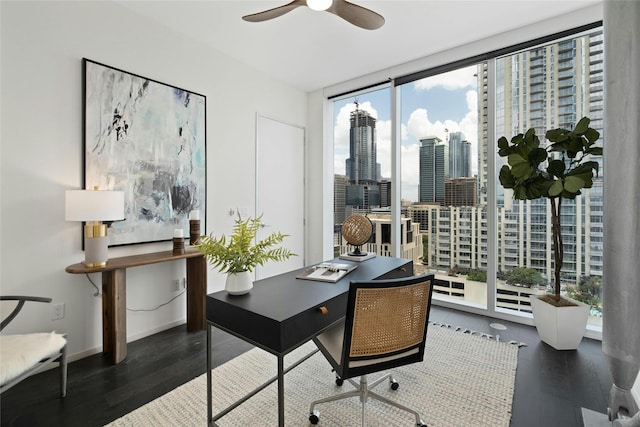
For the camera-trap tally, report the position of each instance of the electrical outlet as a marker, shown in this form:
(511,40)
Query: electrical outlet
(175,285)
(57,312)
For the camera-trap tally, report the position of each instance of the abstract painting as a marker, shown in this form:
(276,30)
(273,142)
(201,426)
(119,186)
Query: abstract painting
(147,139)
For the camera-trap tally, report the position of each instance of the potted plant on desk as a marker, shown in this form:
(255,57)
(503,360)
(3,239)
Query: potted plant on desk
(533,172)
(238,255)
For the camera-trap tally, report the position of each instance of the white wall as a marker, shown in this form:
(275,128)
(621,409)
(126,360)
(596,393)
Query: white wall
(43,44)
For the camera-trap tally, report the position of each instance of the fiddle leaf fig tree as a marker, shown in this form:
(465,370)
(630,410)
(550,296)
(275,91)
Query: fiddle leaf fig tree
(559,171)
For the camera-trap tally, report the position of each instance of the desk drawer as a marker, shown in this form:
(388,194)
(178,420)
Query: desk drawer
(405,270)
(309,323)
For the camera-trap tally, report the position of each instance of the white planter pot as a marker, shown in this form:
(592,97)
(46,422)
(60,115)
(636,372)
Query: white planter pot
(560,327)
(238,283)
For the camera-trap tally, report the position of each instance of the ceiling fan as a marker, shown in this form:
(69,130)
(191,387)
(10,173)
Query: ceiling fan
(357,15)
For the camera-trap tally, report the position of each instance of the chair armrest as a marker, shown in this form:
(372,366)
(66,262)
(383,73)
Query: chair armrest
(24,298)
(21,300)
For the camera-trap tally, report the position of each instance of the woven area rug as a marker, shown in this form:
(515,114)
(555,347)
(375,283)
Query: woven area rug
(463,381)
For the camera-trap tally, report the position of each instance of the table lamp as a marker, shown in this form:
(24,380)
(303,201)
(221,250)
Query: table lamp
(93,207)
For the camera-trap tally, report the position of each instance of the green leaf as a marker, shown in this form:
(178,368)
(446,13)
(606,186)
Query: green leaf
(594,151)
(568,195)
(585,170)
(521,171)
(575,146)
(538,156)
(506,177)
(555,189)
(556,168)
(573,184)
(503,143)
(592,135)
(539,187)
(557,135)
(519,166)
(582,125)
(520,192)
(517,139)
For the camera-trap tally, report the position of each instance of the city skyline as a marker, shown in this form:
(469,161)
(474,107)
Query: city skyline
(545,87)
(432,106)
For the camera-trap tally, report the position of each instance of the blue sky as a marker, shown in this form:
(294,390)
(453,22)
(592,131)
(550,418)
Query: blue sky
(429,107)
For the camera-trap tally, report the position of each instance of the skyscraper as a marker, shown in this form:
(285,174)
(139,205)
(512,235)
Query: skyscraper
(434,169)
(362,168)
(546,87)
(459,156)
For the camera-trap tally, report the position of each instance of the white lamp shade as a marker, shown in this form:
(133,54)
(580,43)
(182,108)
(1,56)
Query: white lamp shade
(94,205)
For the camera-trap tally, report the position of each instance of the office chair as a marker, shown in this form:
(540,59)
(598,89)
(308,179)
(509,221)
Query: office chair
(23,355)
(385,327)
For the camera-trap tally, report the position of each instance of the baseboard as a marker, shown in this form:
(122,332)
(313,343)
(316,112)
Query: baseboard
(130,339)
(155,330)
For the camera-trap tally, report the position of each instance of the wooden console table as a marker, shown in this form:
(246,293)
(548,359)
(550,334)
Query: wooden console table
(114,294)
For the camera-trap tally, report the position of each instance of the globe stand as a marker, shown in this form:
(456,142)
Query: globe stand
(357,252)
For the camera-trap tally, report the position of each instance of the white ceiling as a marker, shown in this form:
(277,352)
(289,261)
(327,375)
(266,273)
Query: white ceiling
(311,50)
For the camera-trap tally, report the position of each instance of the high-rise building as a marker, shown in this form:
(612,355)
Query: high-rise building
(385,193)
(547,87)
(362,168)
(459,156)
(434,169)
(461,192)
(380,242)
(340,183)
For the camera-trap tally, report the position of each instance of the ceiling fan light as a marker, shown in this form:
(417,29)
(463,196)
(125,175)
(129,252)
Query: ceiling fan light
(319,4)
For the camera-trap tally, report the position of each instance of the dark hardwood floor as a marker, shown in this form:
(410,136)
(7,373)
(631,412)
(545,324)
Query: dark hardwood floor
(551,386)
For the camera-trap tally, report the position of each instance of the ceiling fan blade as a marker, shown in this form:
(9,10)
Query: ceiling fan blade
(275,12)
(357,15)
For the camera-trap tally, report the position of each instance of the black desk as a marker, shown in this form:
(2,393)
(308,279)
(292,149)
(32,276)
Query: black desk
(281,313)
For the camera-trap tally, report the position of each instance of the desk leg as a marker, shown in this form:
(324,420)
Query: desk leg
(209,366)
(114,314)
(280,390)
(196,293)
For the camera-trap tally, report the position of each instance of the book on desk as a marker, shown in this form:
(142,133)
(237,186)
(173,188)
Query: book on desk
(327,271)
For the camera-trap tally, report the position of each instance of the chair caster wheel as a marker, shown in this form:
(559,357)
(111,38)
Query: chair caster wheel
(395,385)
(339,381)
(314,418)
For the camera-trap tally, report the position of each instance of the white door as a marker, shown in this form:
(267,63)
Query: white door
(280,189)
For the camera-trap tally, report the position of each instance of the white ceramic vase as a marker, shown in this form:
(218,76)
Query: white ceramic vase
(560,327)
(239,283)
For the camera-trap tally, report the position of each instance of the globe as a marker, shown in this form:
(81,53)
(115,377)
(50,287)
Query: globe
(357,230)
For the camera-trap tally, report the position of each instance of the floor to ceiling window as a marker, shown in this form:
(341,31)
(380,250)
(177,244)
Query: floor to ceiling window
(440,181)
(488,251)
(546,87)
(362,167)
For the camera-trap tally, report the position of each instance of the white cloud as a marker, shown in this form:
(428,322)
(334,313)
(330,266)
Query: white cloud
(457,79)
(383,142)
(410,165)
